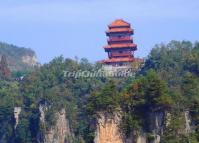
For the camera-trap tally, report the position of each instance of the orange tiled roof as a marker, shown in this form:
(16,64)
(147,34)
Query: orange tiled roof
(129,45)
(113,60)
(119,23)
(115,30)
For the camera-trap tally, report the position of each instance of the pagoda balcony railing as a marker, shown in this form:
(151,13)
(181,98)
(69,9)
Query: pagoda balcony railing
(114,39)
(121,54)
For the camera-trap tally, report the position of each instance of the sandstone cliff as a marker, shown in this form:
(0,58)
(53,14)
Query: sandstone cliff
(17,111)
(108,128)
(19,58)
(60,132)
(30,60)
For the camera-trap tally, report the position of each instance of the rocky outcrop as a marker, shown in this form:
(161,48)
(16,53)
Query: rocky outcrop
(60,132)
(108,128)
(18,58)
(17,111)
(29,60)
(188,127)
(42,109)
(142,138)
(156,124)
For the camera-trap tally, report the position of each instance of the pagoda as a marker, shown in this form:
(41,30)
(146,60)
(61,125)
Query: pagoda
(120,46)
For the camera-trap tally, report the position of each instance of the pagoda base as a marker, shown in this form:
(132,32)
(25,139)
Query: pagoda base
(117,67)
(132,66)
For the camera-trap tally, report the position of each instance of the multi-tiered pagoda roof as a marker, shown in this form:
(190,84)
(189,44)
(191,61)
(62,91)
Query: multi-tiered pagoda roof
(120,46)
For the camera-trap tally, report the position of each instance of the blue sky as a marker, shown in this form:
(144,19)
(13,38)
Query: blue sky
(76,27)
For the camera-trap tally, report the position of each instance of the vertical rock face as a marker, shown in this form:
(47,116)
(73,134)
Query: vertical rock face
(108,129)
(142,138)
(42,110)
(188,128)
(60,132)
(156,121)
(17,111)
(29,60)
(156,124)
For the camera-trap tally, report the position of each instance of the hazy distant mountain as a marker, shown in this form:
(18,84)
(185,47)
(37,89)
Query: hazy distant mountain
(19,58)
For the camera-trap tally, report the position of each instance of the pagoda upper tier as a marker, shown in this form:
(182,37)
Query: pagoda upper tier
(119,33)
(119,26)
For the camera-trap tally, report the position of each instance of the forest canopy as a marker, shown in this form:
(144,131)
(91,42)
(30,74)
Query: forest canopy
(168,81)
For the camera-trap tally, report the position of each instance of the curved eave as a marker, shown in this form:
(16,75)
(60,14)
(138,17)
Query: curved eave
(116,60)
(119,41)
(119,32)
(120,46)
(119,26)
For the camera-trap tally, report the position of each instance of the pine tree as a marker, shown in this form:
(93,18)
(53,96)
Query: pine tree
(4,70)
